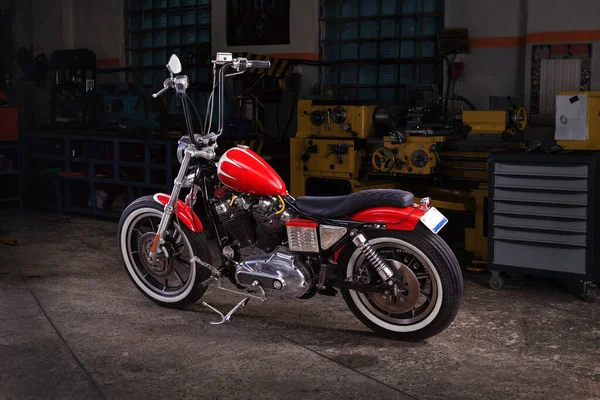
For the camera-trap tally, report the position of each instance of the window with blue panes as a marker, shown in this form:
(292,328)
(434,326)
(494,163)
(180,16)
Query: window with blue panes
(380,47)
(159,28)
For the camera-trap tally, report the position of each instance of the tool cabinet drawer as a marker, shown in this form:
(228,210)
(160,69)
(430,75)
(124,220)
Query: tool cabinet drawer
(542,216)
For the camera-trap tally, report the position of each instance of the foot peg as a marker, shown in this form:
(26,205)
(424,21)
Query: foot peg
(226,318)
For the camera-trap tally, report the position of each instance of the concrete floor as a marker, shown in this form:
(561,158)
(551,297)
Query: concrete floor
(73,326)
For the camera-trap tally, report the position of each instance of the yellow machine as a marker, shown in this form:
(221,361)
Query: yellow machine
(593,121)
(496,122)
(416,155)
(330,147)
(336,151)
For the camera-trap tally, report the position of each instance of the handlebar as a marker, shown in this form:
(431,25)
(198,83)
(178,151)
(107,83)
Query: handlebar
(180,83)
(259,64)
(161,91)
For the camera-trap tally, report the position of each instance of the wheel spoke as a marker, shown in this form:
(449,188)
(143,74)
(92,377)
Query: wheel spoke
(409,265)
(139,232)
(166,284)
(151,224)
(178,276)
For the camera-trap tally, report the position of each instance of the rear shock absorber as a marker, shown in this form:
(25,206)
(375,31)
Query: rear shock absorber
(381,267)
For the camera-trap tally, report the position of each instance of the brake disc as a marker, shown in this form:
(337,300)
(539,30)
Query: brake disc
(162,266)
(404,295)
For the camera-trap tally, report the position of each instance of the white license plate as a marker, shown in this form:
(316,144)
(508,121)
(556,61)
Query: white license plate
(434,220)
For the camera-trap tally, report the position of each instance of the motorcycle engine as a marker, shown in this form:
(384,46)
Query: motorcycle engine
(279,272)
(254,221)
(257,227)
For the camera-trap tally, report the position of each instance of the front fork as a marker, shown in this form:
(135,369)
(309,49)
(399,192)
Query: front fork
(170,206)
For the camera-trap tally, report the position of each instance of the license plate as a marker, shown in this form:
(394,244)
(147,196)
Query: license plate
(434,220)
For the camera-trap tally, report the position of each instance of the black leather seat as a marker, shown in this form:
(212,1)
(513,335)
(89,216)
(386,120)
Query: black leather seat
(340,206)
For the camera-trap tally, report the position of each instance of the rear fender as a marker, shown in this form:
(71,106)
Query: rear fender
(396,219)
(182,211)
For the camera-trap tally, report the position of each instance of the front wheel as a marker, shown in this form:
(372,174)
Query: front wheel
(174,279)
(430,291)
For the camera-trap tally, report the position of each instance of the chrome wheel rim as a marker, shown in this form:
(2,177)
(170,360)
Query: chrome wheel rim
(177,273)
(395,251)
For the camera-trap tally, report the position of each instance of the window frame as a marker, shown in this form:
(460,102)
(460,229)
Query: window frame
(417,62)
(197,70)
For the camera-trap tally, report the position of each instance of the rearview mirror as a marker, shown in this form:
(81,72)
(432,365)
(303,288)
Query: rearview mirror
(174,65)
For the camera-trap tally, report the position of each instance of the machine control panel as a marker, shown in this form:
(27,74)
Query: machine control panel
(414,155)
(322,119)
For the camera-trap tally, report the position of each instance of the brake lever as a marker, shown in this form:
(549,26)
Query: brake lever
(161,91)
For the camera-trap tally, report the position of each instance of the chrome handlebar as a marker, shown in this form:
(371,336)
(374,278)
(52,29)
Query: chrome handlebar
(181,83)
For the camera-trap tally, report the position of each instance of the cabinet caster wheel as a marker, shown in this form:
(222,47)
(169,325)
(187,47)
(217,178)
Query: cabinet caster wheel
(496,283)
(517,276)
(590,295)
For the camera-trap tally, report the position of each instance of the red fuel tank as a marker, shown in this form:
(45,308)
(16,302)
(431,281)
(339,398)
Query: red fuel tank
(245,171)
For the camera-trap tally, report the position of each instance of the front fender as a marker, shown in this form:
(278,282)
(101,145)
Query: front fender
(397,219)
(183,212)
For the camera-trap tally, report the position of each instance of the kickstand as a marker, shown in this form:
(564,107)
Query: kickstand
(226,318)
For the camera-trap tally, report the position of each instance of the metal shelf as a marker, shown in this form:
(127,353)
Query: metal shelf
(70,141)
(9,199)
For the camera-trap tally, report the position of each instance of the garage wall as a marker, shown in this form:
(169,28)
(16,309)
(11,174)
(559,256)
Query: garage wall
(304,31)
(555,21)
(304,44)
(67,24)
(502,34)
(495,65)
(99,26)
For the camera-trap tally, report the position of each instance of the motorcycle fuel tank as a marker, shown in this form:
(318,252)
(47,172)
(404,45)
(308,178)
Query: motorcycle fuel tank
(245,171)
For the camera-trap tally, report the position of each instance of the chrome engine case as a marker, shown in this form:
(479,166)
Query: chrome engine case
(278,273)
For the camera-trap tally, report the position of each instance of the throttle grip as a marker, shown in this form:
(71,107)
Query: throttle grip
(259,64)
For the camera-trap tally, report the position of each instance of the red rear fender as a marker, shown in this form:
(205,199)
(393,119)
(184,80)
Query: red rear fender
(398,219)
(183,212)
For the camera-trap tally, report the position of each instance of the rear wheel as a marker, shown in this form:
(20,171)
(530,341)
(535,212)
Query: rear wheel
(428,296)
(174,280)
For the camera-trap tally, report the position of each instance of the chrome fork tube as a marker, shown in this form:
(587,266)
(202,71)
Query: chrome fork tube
(170,206)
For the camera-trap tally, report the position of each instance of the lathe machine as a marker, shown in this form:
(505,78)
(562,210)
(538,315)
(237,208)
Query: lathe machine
(342,148)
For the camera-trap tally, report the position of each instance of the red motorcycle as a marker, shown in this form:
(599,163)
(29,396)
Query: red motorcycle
(377,247)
